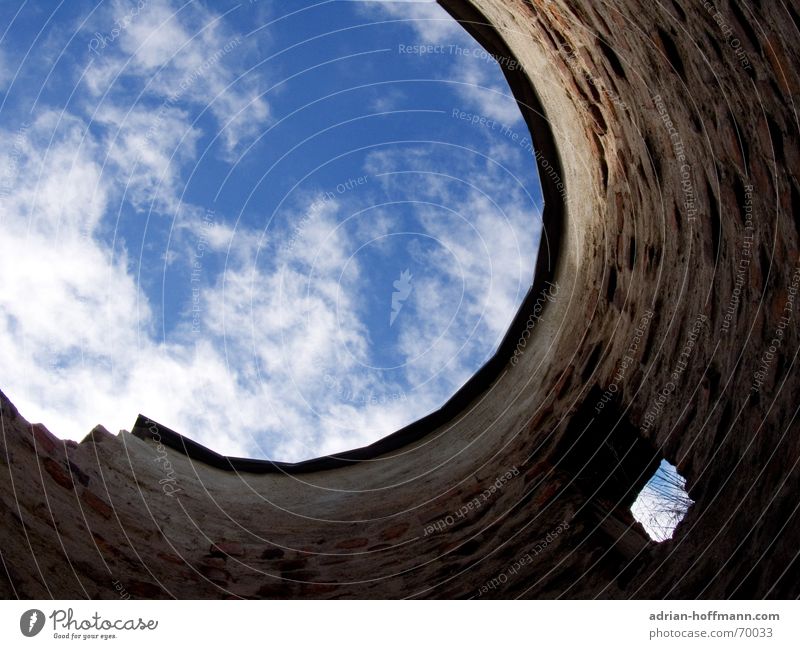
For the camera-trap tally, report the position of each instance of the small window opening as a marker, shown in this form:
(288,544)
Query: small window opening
(662,503)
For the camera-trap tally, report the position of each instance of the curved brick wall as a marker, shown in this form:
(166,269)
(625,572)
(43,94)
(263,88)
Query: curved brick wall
(663,323)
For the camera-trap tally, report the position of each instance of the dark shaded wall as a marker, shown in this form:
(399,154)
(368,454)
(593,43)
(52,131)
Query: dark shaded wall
(672,333)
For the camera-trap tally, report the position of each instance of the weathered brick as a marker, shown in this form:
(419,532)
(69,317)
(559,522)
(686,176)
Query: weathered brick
(97,504)
(352,544)
(395,531)
(226,549)
(57,472)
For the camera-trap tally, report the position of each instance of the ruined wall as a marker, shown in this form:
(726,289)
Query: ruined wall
(672,333)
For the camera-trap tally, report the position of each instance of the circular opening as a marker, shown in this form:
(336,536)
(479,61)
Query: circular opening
(283,234)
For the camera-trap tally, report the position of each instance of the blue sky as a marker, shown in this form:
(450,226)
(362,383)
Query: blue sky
(278,228)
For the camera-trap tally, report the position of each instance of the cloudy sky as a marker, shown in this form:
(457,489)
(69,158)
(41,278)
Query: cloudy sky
(278,228)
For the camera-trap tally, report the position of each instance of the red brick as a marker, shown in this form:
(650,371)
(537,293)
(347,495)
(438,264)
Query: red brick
(44,440)
(97,504)
(226,548)
(394,531)
(352,544)
(58,473)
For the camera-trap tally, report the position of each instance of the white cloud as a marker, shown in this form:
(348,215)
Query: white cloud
(470,284)
(73,322)
(149,152)
(49,184)
(483,94)
(479,75)
(176,54)
(431,23)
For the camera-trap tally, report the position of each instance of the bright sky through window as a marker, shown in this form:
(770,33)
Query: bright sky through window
(282,229)
(662,503)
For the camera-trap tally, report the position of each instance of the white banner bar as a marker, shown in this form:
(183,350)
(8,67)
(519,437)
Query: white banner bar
(134,623)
